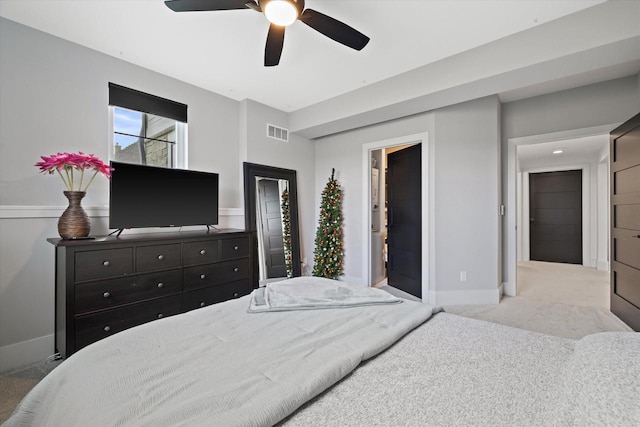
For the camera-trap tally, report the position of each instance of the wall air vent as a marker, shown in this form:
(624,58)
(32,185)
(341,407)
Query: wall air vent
(276,132)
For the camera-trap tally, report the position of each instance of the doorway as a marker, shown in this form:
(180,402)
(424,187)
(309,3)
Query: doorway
(396,220)
(376,216)
(583,151)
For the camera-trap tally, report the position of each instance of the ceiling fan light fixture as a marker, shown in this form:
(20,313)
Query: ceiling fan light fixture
(281,12)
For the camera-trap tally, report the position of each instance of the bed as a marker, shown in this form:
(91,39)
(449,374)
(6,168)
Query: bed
(368,360)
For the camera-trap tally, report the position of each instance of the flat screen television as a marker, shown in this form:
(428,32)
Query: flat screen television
(149,196)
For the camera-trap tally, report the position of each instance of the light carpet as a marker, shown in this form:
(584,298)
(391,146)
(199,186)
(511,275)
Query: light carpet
(557,319)
(563,283)
(564,300)
(561,320)
(14,385)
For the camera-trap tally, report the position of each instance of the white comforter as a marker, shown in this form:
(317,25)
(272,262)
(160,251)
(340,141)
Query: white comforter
(216,366)
(456,371)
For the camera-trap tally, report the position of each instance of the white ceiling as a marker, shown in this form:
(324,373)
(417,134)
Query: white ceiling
(223,51)
(574,152)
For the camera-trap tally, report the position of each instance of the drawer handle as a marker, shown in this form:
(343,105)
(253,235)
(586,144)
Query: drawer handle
(235,295)
(160,284)
(160,316)
(202,304)
(160,257)
(235,248)
(107,328)
(106,263)
(106,295)
(236,269)
(203,252)
(203,276)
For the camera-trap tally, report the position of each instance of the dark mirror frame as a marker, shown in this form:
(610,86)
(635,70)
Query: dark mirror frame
(253,170)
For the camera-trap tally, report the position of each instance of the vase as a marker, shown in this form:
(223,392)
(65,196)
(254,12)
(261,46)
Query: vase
(74,222)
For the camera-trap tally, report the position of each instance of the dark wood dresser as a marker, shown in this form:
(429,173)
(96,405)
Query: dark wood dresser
(109,284)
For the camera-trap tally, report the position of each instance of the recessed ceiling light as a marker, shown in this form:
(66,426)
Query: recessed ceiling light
(558,151)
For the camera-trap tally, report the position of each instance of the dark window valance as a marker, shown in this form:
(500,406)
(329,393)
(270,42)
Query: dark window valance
(131,99)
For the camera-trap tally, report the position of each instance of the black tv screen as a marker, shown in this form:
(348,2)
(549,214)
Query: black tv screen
(149,196)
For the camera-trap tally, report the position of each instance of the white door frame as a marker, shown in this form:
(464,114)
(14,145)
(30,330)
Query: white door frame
(426,205)
(510,285)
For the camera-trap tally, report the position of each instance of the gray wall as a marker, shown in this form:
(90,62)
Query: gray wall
(604,103)
(600,104)
(467,201)
(464,143)
(296,154)
(55,98)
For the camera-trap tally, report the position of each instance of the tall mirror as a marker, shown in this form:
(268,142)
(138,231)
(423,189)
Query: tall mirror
(271,210)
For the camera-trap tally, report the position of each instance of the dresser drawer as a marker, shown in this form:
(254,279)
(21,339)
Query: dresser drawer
(115,292)
(159,257)
(214,294)
(105,263)
(234,248)
(200,252)
(94,327)
(212,274)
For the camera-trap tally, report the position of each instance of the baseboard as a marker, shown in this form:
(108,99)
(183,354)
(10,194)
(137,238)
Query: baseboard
(481,296)
(507,289)
(603,265)
(431,298)
(25,353)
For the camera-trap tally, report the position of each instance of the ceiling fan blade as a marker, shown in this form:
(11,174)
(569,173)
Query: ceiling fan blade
(205,5)
(334,29)
(273,49)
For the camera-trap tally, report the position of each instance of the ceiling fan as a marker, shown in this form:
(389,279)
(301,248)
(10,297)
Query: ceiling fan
(280,14)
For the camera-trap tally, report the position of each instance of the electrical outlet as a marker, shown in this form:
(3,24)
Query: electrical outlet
(463,276)
(304,262)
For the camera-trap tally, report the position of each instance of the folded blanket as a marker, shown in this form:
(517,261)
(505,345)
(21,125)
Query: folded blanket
(311,293)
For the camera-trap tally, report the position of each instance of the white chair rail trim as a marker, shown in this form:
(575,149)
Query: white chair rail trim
(16,212)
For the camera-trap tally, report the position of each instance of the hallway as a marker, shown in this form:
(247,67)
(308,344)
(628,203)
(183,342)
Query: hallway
(563,283)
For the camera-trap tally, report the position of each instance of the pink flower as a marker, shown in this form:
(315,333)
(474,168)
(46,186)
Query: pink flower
(66,163)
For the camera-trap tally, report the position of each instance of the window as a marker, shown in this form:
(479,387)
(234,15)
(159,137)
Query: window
(147,129)
(144,138)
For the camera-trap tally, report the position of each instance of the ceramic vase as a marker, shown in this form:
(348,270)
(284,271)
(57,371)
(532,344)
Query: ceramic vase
(74,222)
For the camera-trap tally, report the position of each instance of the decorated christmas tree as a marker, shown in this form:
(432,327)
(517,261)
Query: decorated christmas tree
(329,252)
(286,232)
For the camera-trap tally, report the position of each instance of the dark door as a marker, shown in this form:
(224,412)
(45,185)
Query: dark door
(272,242)
(625,222)
(555,216)
(404,220)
